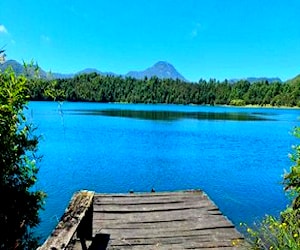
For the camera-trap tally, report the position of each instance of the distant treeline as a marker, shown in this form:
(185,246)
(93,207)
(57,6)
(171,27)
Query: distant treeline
(98,88)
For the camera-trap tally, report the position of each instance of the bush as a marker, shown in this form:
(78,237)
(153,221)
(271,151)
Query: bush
(284,232)
(18,171)
(275,233)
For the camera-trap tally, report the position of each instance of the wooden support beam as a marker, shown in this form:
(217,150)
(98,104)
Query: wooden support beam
(78,217)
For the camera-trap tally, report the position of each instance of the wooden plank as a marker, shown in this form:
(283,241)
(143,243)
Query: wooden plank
(149,201)
(213,231)
(152,202)
(70,221)
(145,209)
(183,193)
(146,197)
(190,244)
(158,215)
(183,224)
(173,245)
(197,241)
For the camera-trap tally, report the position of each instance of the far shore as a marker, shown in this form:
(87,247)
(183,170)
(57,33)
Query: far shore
(265,106)
(191,104)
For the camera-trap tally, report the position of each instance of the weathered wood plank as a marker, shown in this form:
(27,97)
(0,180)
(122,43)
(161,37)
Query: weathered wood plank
(189,244)
(186,242)
(164,240)
(158,215)
(152,194)
(145,209)
(148,198)
(151,202)
(70,221)
(171,245)
(182,225)
(213,231)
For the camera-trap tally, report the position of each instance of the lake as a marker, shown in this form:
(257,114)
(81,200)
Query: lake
(236,155)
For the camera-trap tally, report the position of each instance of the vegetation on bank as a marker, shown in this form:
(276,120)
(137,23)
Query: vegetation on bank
(284,232)
(20,203)
(98,88)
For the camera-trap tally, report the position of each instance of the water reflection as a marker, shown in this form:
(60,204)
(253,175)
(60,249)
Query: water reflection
(160,115)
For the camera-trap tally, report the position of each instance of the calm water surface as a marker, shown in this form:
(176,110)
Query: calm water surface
(236,155)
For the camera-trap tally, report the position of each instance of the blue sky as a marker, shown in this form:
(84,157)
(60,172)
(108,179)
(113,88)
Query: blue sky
(202,39)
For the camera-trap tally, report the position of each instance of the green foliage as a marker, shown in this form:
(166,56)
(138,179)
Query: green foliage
(97,88)
(20,204)
(292,179)
(237,102)
(282,233)
(54,92)
(276,234)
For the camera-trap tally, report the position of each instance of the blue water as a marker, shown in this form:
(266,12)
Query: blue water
(238,163)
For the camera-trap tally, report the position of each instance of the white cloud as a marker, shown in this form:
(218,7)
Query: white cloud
(45,38)
(194,33)
(3,29)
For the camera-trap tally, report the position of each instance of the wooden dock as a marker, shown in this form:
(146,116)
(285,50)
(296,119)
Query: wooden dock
(173,220)
(154,220)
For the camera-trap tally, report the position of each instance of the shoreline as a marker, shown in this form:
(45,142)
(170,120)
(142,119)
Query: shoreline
(261,106)
(182,104)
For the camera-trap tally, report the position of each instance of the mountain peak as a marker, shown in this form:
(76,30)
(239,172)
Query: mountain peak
(161,69)
(162,64)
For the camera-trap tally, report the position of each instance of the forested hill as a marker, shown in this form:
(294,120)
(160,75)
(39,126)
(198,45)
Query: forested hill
(98,88)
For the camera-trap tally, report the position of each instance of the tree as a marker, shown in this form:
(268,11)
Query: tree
(18,171)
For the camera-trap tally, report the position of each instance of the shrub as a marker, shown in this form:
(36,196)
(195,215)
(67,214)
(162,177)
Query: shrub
(18,171)
(284,232)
